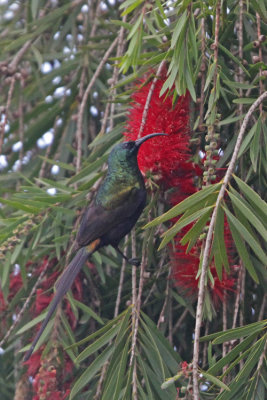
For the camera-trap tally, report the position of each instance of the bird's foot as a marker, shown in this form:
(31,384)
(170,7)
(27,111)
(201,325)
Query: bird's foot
(134,261)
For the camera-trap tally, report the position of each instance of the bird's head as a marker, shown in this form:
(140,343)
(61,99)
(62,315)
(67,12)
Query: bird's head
(126,151)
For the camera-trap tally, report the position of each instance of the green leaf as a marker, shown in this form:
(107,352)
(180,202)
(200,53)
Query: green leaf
(210,75)
(63,165)
(31,324)
(121,372)
(255,146)
(43,337)
(215,380)
(249,215)
(16,252)
(246,141)
(242,251)
(245,372)
(20,206)
(231,119)
(91,371)
(170,357)
(88,310)
(130,5)
(244,100)
(184,205)
(231,355)
(193,234)
(5,272)
(247,236)
(178,28)
(88,169)
(105,328)
(252,196)
(34,8)
(236,333)
(234,58)
(104,339)
(169,234)
(190,84)
(219,243)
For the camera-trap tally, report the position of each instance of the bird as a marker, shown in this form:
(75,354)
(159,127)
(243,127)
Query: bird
(116,208)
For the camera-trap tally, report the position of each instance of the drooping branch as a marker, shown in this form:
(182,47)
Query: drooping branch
(25,305)
(148,99)
(84,101)
(208,243)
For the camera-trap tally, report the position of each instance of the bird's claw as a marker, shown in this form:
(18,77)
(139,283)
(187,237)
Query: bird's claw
(134,261)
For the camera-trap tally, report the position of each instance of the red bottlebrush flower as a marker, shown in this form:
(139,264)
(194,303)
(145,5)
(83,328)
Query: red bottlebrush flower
(2,302)
(42,301)
(15,284)
(165,157)
(185,269)
(34,363)
(169,159)
(50,379)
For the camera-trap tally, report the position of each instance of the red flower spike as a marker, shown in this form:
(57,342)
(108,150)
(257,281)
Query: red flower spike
(162,156)
(34,363)
(168,158)
(42,301)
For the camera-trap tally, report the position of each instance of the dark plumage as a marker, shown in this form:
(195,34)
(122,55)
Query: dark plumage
(117,206)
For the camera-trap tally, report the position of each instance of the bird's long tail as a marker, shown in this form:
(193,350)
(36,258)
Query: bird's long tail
(63,285)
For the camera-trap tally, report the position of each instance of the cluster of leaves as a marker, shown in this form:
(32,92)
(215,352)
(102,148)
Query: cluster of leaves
(70,39)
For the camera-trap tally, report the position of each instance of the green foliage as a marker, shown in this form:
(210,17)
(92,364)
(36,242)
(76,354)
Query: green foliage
(35,226)
(249,351)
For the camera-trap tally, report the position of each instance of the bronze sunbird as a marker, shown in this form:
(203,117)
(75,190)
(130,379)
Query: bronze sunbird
(118,204)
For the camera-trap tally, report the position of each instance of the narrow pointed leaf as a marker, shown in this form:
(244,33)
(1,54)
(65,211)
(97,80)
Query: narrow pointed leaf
(169,235)
(91,371)
(252,196)
(246,235)
(184,205)
(251,217)
(215,380)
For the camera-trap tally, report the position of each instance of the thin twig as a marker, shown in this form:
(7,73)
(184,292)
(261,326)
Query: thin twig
(134,297)
(95,18)
(167,290)
(118,300)
(205,260)
(149,96)
(14,63)
(116,313)
(237,299)
(180,320)
(115,76)
(136,322)
(159,270)
(240,53)
(84,101)
(3,124)
(20,314)
(21,131)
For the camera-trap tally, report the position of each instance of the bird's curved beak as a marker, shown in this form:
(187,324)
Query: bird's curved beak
(140,141)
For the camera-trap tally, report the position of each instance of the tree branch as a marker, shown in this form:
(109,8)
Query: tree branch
(208,243)
(84,100)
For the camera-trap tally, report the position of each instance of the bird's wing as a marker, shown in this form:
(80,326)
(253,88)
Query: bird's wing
(97,220)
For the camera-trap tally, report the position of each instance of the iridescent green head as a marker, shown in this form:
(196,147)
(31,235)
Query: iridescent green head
(126,152)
